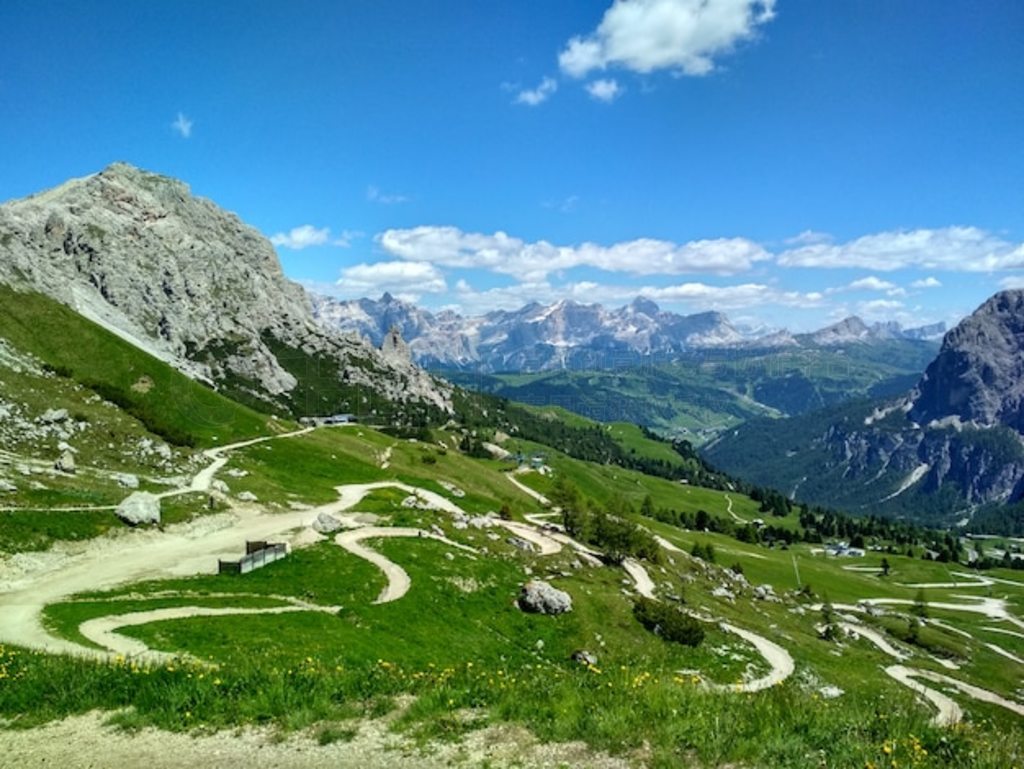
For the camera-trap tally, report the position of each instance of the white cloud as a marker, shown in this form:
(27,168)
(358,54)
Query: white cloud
(870,283)
(879,309)
(961,249)
(183,126)
(539,95)
(302,237)
(690,297)
(808,238)
(374,195)
(684,36)
(1012,281)
(605,90)
(410,279)
(929,282)
(344,240)
(532,262)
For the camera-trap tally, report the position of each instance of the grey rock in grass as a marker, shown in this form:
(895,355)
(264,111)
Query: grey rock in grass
(248,496)
(53,416)
(538,597)
(7,486)
(584,657)
(141,507)
(520,543)
(127,480)
(66,463)
(218,485)
(326,524)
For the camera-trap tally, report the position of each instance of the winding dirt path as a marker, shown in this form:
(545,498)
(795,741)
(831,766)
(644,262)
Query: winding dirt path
(545,544)
(103,630)
(949,712)
(780,660)
(874,637)
(526,489)
(398,579)
(728,509)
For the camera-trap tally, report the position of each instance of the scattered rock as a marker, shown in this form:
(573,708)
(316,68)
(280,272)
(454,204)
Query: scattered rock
(326,523)
(765,593)
(7,486)
(66,463)
(140,507)
(723,592)
(449,557)
(830,692)
(235,472)
(248,496)
(127,480)
(218,485)
(53,416)
(520,543)
(584,657)
(539,597)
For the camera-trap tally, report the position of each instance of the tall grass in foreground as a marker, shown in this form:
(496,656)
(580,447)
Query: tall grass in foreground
(667,720)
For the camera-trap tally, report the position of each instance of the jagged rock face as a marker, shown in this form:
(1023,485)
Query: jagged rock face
(181,278)
(978,375)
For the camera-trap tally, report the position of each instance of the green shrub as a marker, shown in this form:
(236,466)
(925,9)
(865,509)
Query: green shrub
(668,621)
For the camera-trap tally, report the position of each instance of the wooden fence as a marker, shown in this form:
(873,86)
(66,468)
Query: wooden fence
(257,554)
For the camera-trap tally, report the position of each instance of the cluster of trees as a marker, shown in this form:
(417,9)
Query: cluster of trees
(603,527)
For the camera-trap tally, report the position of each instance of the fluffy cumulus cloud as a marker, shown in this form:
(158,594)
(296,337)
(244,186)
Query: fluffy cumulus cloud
(532,262)
(961,249)
(869,283)
(929,282)
(605,90)
(408,279)
(302,237)
(683,36)
(531,97)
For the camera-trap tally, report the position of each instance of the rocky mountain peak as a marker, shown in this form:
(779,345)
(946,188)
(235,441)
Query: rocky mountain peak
(180,278)
(978,375)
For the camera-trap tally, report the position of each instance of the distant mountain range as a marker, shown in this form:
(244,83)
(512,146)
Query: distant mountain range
(567,334)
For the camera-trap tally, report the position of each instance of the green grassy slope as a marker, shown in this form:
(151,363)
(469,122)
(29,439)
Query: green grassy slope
(168,403)
(457,642)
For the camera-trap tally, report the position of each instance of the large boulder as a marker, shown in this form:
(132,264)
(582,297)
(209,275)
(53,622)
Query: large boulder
(140,507)
(539,597)
(66,463)
(326,523)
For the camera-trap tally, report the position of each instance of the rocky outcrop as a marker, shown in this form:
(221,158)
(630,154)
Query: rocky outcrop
(978,376)
(188,282)
(539,597)
(139,508)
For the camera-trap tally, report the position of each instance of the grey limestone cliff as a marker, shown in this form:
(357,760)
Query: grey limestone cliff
(190,283)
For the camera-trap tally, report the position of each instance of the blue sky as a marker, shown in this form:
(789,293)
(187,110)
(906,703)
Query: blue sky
(787,162)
